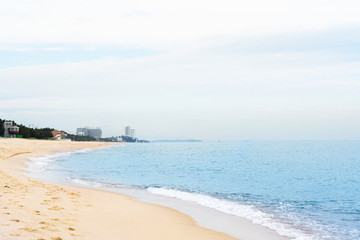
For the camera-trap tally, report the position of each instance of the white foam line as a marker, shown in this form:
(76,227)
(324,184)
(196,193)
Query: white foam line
(249,212)
(82,182)
(39,164)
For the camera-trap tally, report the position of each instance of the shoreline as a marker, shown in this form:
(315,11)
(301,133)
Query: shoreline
(33,209)
(235,226)
(209,223)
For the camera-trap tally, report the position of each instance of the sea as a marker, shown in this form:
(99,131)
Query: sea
(303,190)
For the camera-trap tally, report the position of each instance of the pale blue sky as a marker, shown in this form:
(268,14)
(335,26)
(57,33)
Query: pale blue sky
(20,55)
(276,70)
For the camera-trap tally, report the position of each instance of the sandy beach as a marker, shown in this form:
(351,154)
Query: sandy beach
(32,209)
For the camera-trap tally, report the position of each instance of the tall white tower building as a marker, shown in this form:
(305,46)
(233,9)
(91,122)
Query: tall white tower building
(127,131)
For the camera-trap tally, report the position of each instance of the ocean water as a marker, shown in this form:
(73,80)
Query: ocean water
(302,190)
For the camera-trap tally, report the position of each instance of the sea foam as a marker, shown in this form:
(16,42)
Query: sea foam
(39,164)
(234,208)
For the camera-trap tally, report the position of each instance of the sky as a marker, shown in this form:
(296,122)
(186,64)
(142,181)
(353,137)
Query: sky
(229,70)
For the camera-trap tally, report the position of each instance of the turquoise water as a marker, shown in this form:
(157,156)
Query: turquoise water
(303,190)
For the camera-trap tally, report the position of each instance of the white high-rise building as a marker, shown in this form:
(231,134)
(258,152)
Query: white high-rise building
(127,131)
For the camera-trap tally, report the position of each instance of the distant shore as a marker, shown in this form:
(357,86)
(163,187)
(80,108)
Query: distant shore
(32,209)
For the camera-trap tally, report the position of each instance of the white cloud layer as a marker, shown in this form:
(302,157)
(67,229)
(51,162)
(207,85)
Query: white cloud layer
(157,22)
(168,96)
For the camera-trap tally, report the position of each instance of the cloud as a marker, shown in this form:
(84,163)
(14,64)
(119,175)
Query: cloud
(340,40)
(143,23)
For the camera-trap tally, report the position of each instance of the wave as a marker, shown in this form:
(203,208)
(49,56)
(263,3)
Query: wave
(234,208)
(39,164)
(78,181)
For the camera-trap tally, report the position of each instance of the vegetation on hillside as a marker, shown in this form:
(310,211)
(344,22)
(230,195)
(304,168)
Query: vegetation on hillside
(128,139)
(2,127)
(27,132)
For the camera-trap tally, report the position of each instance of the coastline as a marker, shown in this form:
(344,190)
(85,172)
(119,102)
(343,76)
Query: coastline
(33,209)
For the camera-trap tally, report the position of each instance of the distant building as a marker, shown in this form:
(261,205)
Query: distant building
(94,132)
(58,135)
(90,132)
(11,130)
(127,131)
(81,131)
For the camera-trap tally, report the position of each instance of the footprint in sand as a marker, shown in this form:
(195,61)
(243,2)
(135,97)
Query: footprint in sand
(56,238)
(46,223)
(56,208)
(15,234)
(28,229)
(45,202)
(73,195)
(47,228)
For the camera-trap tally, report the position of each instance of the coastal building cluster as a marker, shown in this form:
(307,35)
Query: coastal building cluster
(129,132)
(89,132)
(10,129)
(127,136)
